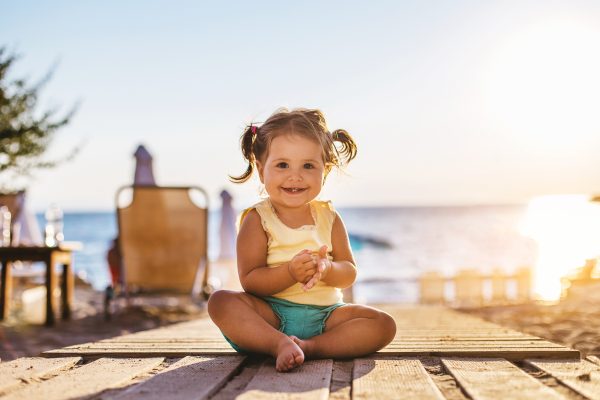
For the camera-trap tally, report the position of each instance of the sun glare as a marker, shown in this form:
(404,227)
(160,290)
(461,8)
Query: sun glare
(566,229)
(542,83)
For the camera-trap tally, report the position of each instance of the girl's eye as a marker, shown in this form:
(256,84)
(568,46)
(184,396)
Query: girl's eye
(308,166)
(282,165)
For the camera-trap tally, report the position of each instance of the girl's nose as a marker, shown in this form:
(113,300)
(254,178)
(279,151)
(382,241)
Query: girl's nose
(295,176)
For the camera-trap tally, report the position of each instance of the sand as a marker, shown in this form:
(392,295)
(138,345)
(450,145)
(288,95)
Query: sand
(20,339)
(572,323)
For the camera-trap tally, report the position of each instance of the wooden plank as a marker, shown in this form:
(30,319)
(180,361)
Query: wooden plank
(437,316)
(88,380)
(422,335)
(309,381)
(580,375)
(493,379)
(188,378)
(341,380)
(235,386)
(478,343)
(128,353)
(220,343)
(457,349)
(512,354)
(198,328)
(465,336)
(435,344)
(443,333)
(593,359)
(392,378)
(19,371)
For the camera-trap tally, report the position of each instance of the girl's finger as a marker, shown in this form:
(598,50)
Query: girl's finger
(306,258)
(323,251)
(308,285)
(322,265)
(313,281)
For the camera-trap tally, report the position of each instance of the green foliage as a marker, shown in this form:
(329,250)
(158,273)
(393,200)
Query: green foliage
(25,133)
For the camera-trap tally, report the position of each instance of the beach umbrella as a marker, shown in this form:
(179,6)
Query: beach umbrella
(143,167)
(227,230)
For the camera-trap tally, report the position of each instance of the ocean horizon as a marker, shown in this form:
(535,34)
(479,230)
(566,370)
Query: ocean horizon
(392,249)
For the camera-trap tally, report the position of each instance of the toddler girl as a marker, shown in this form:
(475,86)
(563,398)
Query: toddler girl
(293,252)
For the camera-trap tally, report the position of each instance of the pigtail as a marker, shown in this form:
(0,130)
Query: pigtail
(347,146)
(247,141)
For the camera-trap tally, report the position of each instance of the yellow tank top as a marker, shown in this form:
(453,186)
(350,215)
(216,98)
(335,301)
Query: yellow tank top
(285,242)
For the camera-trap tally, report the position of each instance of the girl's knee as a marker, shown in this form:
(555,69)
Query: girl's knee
(388,325)
(218,300)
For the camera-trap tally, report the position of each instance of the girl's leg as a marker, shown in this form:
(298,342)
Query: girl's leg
(351,331)
(252,325)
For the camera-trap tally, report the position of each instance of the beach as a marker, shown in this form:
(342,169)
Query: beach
(572,323)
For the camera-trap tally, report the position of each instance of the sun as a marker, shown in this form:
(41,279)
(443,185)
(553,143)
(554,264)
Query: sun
(565,228)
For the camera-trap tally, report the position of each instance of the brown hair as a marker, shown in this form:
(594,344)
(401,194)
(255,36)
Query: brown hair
(338,146)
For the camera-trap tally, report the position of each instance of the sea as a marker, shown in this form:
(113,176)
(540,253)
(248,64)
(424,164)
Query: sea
(392,245)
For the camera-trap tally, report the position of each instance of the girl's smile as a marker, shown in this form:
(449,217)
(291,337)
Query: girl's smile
(294,190)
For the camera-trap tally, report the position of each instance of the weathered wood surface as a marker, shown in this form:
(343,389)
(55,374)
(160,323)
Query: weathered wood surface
(371,380)
(490,379)
(28,369)
(341,380)
(593,359)
(188,378)
(310,381)
(88,380)
(581,376)
(383,375)
(441,333)
(227,377)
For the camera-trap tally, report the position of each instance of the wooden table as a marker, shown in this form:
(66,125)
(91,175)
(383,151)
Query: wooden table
(437,354)
(51,256)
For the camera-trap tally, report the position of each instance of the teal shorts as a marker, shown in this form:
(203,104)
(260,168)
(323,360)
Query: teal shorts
(301,320)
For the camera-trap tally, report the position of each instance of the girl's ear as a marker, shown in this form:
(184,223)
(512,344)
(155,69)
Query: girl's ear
(260,169)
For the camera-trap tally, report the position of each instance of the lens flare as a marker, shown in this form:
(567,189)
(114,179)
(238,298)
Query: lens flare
(566,228)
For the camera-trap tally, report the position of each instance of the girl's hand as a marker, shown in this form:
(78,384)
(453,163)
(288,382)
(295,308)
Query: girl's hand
(323,266)
(303,266)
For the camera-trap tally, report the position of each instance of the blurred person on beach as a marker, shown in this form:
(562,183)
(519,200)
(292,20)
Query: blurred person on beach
(293,252)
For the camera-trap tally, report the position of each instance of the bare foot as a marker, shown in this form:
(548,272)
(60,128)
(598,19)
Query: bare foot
(289,354)
(304,345)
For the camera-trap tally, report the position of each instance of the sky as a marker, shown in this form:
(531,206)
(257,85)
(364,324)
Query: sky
(450,102)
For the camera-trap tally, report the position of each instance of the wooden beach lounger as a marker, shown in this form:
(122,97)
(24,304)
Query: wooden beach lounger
(163,241)
(437,354)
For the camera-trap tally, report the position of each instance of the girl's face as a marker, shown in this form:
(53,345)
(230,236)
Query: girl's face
(293,171)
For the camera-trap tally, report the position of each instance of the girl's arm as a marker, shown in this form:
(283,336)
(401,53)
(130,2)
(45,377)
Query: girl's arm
(255,276)
(342,271)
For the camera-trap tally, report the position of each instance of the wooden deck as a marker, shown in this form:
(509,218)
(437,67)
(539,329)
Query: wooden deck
(437,354)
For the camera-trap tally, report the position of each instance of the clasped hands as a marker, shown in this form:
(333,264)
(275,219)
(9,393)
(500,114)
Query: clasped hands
(308,268)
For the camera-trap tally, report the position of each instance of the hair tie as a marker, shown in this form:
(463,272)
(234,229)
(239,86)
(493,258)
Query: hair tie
(253,129)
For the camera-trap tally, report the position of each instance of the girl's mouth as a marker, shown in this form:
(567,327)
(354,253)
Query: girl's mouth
(294,190)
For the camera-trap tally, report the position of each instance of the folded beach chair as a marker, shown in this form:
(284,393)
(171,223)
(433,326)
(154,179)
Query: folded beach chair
(163,242)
